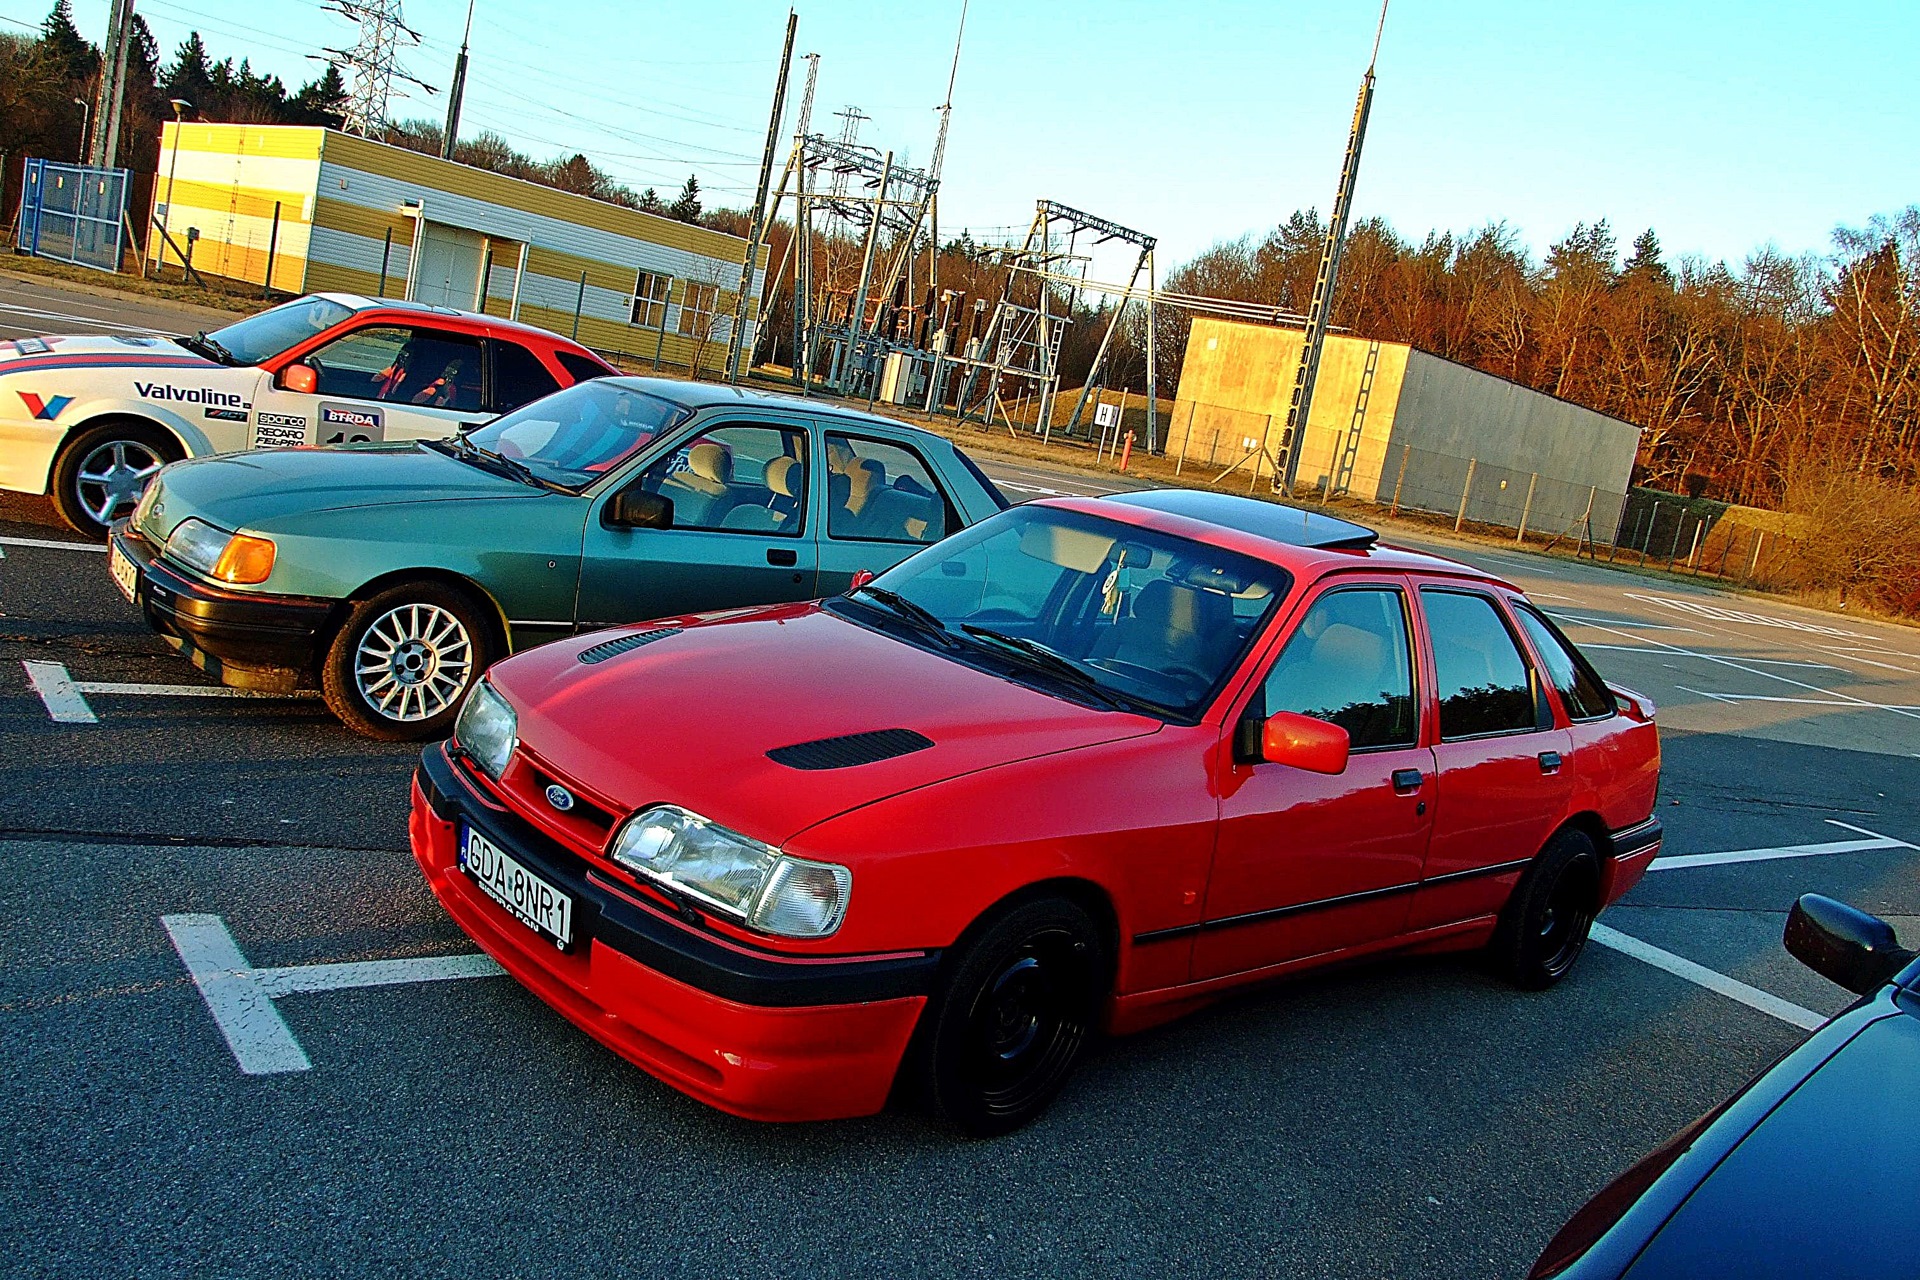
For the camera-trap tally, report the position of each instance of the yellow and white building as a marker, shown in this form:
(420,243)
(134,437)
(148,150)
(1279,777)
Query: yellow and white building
(343,213)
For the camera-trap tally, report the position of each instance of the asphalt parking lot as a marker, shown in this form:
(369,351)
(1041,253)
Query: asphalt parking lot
(1409,1118)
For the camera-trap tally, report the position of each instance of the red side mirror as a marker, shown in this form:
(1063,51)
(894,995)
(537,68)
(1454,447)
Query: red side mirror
(1303,742)
(860,579)
(299,378)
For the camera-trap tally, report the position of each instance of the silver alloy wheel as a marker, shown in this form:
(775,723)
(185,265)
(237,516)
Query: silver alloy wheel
(113,475)
(413,662)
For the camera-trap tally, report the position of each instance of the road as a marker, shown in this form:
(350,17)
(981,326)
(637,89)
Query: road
(1407,1118)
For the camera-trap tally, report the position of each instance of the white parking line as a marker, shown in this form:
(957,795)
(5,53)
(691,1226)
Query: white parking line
(1732,988)
(51,544)
(1842,700)
(39,313)
(57,693)
(1874,840)
(1777,662)
(1622,622)
(66,702)
(241,997)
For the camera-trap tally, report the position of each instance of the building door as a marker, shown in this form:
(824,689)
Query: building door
(449,271)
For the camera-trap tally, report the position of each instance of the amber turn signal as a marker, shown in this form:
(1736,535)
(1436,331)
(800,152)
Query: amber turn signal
(245,561)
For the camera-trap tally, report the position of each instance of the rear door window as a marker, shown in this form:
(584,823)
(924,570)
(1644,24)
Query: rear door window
(736,480)
(1582,690)
(1484,683)
(881,492)
(518,377)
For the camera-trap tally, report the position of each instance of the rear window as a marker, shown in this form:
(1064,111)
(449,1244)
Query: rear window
(519,377)
(580,367)
(1580,686)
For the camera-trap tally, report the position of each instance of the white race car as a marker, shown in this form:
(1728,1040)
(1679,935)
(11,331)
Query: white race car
(90,419)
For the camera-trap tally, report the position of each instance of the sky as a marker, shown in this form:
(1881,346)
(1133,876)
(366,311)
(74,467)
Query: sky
(1723,125)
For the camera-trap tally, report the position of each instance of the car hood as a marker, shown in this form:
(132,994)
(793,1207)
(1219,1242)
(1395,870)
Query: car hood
(252,490)
(689,718)
(95,348)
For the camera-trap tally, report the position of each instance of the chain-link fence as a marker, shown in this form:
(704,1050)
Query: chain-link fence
(72,213)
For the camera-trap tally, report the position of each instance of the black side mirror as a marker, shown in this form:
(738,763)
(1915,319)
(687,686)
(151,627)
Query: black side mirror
(1844,944)
(637,509)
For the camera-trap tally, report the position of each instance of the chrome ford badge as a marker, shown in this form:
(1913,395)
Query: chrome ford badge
(559,797)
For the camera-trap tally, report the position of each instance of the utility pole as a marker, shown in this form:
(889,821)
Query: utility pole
(102,147)
(1319,311)
(803,238)
(940,155)
(856,322)
(458,91)
(757,229)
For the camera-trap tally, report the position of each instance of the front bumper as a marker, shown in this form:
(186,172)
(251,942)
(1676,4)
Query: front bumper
(267,642)
(752,1032)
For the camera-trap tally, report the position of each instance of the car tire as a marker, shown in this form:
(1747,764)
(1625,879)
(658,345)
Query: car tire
(101,472)
(1544,926)
(403,661)
(1010,1020)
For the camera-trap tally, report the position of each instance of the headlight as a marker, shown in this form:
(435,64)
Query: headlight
(750,881)
(228,557)
(486,730)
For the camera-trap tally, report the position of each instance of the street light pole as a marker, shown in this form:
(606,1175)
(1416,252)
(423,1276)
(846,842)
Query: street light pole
(86,114)
(180,108)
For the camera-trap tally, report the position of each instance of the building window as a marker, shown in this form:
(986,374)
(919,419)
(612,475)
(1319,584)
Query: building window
(650,299)
(697,310)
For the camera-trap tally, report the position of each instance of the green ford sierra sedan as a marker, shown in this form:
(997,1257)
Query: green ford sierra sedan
(389,576)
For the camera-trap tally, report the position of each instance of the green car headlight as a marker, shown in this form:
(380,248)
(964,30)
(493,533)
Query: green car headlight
(487,729)
(197,545)
(735,874)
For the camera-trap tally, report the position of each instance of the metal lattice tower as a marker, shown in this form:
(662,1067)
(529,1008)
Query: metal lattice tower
(373,61)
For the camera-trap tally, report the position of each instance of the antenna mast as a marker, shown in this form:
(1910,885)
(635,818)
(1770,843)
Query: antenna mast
(457,92)
(1319,311)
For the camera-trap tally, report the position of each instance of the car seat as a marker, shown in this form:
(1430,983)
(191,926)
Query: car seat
(782,478)
(702,492)
(1170,625)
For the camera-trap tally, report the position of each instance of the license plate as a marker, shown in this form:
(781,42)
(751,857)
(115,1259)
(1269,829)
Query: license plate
(126,575)
(531,900)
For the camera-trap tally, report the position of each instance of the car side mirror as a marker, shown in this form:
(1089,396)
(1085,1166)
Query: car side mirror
(1288,738)
(637,509)
(300,378)
(1844,944)
(861,578)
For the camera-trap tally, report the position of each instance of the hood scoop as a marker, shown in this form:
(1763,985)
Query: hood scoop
(850,749)
(614,648)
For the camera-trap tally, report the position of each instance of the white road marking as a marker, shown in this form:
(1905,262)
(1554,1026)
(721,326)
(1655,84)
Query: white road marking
(1732,988)
(1777,662)
(1852,654)
(58,694)
(52,544)
(40,313)
(261,1041)
(1717,613)
(1874,840)
(1839,700)
(66,702)
(1603,622)
(241,997)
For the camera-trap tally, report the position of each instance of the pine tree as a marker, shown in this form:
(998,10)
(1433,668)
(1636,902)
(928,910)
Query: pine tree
(650,202)
(191,75)
(65,51)
(1644,262)
(321,100)
(686,206)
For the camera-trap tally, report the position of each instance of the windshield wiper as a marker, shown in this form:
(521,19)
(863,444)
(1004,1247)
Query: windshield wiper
(465,450)
(516,468)
(1052,662)
(920,617)
(211,346)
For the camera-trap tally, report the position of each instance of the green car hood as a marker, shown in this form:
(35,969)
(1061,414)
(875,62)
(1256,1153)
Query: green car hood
(255,490)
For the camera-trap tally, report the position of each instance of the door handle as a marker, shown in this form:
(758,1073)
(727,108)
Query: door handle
(782,556)
(1407,781)
(1549,762)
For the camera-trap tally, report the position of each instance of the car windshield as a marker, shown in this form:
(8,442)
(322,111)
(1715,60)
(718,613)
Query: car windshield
(573,437)
(1091,607)
(266,335)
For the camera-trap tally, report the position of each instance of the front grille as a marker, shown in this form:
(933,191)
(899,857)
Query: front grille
(614,648)
(850,749)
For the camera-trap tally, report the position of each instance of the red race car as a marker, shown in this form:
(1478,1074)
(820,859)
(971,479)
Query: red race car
(1086,765)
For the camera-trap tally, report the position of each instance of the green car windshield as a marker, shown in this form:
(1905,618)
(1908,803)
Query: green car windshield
(266,335)
(1129,616)
(573,437)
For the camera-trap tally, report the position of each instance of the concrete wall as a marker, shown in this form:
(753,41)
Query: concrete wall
(1516,439)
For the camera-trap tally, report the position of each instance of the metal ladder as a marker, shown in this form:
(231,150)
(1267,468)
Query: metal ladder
(1350,450)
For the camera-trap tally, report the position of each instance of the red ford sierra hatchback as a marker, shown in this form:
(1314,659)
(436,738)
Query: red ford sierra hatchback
(1084,766)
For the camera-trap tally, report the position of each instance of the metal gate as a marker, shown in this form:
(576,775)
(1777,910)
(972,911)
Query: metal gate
(72,213)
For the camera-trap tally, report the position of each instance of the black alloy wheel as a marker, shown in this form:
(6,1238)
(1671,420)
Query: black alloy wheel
(1010,1024)
(1544,925)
